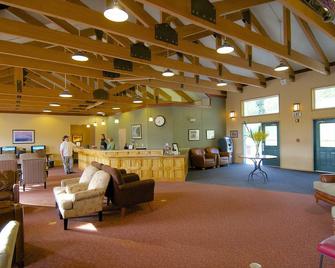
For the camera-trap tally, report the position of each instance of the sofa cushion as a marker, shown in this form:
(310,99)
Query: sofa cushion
(328,188)
(100,180)
(88,173)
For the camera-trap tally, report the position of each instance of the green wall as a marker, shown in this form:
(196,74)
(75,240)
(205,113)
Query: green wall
(176,126)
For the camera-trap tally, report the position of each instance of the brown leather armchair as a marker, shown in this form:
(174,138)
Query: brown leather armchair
(200,159)
(11,211)
(127,188)
(222,158)
(9,187)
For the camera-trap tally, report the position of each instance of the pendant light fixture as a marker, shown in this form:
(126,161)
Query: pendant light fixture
(226,48)
(79,56)
(114,12)
(221,84)
(137,99)
(282,66)
(54,104)
(168,72)
(65,93)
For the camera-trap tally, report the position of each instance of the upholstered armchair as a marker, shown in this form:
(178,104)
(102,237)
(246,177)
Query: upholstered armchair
(9,187)
(127,188)
(33,172)
(200,159)
(7,243)
(222,158)
(82,199)
(325,188)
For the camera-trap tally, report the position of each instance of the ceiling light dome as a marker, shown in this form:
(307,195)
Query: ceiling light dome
(225,48)
(137,100)
(115,13)
(65,94)
(222,84)
(281,67)
(168,73)
(54,104)
(46,111)
(79,56)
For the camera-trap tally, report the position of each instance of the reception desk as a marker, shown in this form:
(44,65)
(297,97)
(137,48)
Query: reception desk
(148,164)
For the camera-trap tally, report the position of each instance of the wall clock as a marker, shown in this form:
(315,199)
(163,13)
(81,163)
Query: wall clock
(159,121)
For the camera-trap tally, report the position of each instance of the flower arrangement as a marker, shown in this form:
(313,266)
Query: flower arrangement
(257,136)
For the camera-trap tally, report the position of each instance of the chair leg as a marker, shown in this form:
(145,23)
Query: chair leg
(123,212)
(65,223)
(45,185)
(100,215)
(321,261)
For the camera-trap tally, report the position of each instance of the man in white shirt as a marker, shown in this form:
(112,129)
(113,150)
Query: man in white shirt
(66,152)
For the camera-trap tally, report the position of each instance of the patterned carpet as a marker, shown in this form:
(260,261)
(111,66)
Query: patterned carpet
(192,225)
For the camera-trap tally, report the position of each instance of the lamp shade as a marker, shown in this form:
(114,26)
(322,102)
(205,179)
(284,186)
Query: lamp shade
(168,73)
(232,114)
(65,94)
(222,84)
(79,56)
(296,107)
(282,66)
(225,48)
(115,13)
(116,121)
(137,100)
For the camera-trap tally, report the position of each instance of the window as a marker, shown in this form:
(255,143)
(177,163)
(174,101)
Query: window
(324,97)
(261,106)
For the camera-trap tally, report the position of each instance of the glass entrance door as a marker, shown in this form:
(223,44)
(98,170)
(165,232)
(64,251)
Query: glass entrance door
(324,145)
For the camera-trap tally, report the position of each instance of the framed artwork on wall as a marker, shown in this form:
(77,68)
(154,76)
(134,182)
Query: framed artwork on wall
(136,131)
(210,134)
(20,136)
(77,138)
(194,134)
(234,134)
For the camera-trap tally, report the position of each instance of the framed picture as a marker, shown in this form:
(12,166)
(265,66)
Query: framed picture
(136,131)
(234,134)
(210,134)
(194,134)
(23,136)
(77,138)
(175,148)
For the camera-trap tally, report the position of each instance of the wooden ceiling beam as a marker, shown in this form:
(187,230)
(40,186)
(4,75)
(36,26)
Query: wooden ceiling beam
(228,28)
(184,96)
(65,10)
(231,6)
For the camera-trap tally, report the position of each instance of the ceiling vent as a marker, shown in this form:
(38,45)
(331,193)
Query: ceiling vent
(204,10)
(164,32)
(123,65)
(140,51)
(110,74)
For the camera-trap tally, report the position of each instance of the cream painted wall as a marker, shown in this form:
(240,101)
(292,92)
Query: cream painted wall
(49,129)
(294,154)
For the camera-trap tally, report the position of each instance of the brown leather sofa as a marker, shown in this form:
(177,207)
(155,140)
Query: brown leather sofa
(200,159)
(325,189)
(222,158)
(9,187)
(128,190)
(11,211)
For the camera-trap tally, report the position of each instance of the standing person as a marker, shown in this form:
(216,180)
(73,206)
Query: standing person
(110,144)
(103,142)
(66,152)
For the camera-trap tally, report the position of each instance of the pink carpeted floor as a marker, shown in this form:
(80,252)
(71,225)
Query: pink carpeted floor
(191,225)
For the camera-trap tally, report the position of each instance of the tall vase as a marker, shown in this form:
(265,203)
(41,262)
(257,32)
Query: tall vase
(257,148)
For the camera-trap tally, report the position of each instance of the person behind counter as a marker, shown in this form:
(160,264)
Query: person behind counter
(103,142)
(110,144)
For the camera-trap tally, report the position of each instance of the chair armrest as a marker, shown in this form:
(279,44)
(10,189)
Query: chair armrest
(66,182)
(123,171)
(77,187)
(210,155)
(330,178)
(130,177)
(224,154)
(16,193)
(87,194)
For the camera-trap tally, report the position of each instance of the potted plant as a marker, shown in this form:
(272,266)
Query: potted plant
(257,136)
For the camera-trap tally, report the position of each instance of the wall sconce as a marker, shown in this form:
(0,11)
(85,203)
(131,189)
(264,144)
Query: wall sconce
(150,119)
(232,115)
(192,120)
(116,121)
(88,125)
(103,123)
(95,124)
(296,112)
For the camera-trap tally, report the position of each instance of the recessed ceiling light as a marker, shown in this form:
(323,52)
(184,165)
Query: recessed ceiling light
(221,84)
(79,56)
(225,48)
(115,13)
(54,104)
(168,73)
(47,111)
(65,94)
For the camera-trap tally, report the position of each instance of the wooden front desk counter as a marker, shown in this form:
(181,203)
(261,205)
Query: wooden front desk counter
(148,164)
